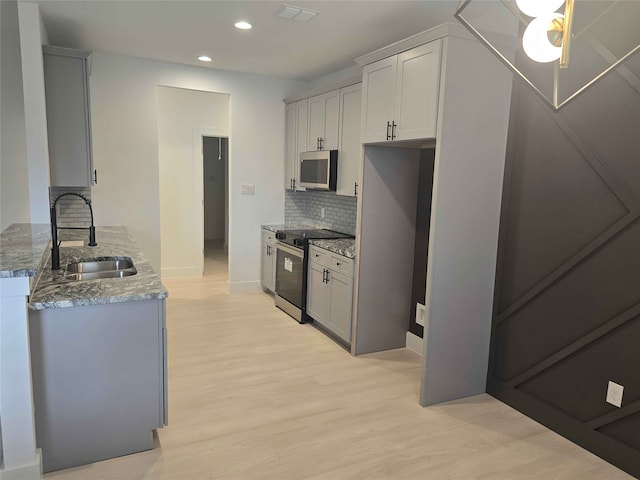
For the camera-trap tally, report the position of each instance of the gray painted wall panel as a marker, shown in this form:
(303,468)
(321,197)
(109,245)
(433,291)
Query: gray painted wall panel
(465,213)
(389,203)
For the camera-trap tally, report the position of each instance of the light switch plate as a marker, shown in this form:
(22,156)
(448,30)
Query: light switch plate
(248,189)
(614,394)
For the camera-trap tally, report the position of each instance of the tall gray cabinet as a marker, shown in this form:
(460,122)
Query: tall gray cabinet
(66,81)
(470,107)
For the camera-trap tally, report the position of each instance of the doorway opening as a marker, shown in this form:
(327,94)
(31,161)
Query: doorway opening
(215,158)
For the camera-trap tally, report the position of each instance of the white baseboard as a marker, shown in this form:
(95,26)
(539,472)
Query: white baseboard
(245,287)
(173,272)
(414,343)
(25,472)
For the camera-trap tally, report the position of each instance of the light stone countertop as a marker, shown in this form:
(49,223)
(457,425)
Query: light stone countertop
(342,246)
(22,246)
(276,227)
(53,290)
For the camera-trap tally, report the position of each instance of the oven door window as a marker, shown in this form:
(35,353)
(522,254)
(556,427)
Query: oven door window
(289,271)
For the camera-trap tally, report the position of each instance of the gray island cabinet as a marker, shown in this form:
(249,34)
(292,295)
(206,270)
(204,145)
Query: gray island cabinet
(98,354)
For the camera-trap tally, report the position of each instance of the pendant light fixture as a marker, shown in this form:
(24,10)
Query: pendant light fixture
(548,37)
(606,35)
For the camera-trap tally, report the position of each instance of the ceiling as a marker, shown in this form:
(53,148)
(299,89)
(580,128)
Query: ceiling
(180,31)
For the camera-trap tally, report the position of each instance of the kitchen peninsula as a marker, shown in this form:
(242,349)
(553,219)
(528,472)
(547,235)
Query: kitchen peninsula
(97,346)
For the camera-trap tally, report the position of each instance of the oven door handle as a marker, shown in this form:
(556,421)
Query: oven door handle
(296,252)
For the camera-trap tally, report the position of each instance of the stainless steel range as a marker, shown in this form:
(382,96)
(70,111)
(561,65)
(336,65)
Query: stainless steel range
(291,268)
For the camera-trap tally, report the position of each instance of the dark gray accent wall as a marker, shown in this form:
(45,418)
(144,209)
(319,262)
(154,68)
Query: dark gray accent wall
(567,303)
(421,248)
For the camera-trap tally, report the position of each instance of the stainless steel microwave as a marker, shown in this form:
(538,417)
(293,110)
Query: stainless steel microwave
(319,170)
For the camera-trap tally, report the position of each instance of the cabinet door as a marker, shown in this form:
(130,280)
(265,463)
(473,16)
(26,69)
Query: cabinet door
(324,115)
(331,121)
(317,294)
(290,146)
(301,137)
(350,148)
(417,90)
(341,302)
(378,80)
(316,122)
(267,270)
(68,120)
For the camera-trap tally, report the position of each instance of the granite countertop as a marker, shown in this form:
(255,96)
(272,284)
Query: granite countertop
(21,248)
(281,226)
(342,246)
(53,290)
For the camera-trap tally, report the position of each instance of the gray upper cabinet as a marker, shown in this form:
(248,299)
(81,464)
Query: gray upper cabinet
(400,95)
(350,156)
(66,79)
(324,114)
(296,122)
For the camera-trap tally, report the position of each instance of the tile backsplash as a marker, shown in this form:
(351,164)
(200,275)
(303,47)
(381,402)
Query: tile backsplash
(305,207)
(72,211)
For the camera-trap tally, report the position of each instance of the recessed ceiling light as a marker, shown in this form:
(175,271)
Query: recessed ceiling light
(204,58)
(242,25)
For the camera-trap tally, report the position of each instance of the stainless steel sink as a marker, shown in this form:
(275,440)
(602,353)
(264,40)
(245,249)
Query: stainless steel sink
(106,267)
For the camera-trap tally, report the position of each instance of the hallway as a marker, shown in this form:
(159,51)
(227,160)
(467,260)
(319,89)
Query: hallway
(254,395)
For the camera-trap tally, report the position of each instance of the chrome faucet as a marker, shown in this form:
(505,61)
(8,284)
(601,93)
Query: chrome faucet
(55,247)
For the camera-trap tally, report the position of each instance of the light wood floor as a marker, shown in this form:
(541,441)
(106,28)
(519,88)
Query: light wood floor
(254,395)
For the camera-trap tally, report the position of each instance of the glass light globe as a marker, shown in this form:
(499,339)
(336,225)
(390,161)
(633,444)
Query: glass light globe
(535,40)
(538,8)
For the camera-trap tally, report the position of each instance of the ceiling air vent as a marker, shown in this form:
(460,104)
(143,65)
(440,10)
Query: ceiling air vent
(296,13)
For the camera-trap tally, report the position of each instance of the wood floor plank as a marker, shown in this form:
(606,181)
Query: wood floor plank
(254,395)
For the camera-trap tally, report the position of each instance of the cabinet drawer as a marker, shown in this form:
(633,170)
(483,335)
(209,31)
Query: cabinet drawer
(320,256)
(342,264)
(268,236)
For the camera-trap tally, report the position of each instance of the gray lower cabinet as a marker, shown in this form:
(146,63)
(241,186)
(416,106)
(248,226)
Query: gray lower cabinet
(66,82)
(99,380)
(330,291)
(268,260)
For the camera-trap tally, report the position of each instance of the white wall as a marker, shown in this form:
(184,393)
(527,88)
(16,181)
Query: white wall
(32,36)
(125,150)
(14,180)
(184,116)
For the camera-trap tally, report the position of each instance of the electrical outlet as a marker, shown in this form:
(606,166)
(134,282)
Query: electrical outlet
(614,394)
(420,312)
(321,212)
